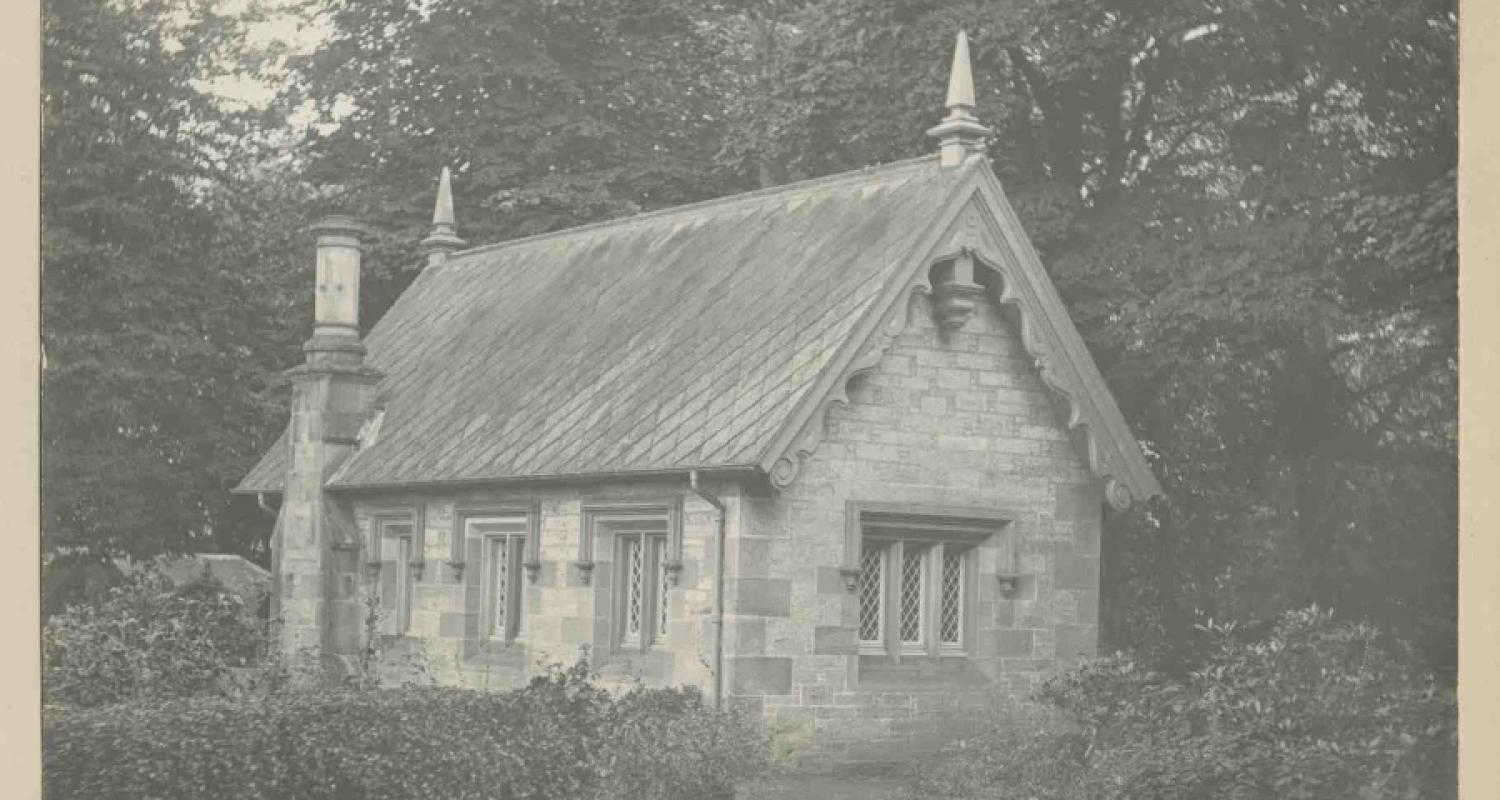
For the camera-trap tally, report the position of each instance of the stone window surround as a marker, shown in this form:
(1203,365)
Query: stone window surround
(492,543)
(969,527)
(594,527)
(477,648)
(463,514)
(381,520)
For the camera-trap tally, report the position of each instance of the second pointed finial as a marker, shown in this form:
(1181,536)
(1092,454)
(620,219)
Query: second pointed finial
(444,236)
(442,211)
(961,77)
(960,133)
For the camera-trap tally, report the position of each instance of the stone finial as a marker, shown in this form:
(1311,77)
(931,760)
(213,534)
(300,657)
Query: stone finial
(960,133)
(444,236)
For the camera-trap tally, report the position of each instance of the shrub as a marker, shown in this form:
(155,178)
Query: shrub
(1313,709)
(560,737)
(146,639)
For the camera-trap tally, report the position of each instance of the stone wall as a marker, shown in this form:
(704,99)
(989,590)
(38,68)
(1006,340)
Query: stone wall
(565,610)
(947,419)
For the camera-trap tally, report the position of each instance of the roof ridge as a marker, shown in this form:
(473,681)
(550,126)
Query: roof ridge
(786,188)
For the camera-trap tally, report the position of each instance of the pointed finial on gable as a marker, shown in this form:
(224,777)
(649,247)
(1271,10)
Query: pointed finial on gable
(960,133)
(444,236)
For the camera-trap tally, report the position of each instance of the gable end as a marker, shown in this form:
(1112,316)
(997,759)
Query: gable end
(981,223)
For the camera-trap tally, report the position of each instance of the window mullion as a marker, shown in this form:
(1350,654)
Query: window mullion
(515,611)
(892,597)
(932,613)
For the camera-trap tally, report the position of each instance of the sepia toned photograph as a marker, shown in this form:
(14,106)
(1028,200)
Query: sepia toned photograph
(749,399)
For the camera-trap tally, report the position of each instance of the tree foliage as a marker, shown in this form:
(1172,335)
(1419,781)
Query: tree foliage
(165,284)
(551,114)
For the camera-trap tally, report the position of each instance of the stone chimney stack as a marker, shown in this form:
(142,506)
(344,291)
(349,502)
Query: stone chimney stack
(316,559)
(336,303)
(960,133)
(444,236)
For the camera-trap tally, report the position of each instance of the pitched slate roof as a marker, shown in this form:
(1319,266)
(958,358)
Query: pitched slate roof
(667,341)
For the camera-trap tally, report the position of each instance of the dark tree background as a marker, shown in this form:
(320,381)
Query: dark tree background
(1249,206)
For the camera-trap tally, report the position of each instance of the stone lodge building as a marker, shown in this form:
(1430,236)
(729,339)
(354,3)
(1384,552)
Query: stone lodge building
(832,451)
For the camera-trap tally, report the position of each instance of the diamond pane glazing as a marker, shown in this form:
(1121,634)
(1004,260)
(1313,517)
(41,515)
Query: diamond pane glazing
(518,604)
(403,586)
(911,597)
(951,609)
(633,588)
(869,594)
(661,589)
(499,587)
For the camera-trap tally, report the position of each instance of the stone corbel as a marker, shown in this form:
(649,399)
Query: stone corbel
(956,297)
(1010,583)
(532,567)
(585,571)
(850,576)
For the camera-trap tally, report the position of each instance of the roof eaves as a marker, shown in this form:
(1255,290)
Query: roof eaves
(727,471)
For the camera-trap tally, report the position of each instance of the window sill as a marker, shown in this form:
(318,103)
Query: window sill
(919,672)
(651,663)
(511,654)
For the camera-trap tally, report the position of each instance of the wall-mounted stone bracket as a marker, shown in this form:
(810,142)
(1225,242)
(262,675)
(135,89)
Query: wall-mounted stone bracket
(1010,583)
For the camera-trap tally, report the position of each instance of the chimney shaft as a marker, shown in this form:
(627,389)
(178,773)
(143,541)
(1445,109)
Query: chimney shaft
(336,307)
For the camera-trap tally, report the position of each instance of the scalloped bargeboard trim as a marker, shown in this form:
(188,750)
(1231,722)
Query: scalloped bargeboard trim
(1063,382)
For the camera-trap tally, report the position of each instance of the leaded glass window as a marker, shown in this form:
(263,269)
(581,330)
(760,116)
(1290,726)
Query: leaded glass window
(871,595)
(501,549)
(912,594)
(951,598)
(912,568)
(643,589)
(403,583)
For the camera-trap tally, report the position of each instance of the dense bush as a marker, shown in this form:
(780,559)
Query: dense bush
(1313,709)
(560,737)
(146,639)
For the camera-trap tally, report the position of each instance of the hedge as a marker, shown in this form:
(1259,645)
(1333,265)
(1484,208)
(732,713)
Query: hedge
(1314,709)
(560,737)
(147,640)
